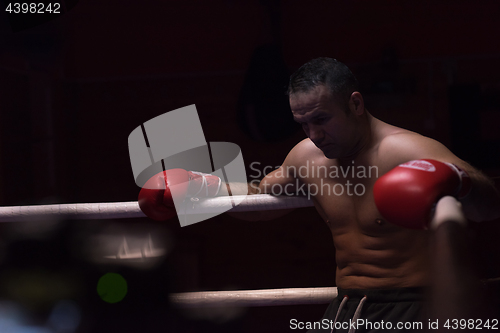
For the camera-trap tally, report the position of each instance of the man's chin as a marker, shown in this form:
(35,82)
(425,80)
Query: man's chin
(330,155)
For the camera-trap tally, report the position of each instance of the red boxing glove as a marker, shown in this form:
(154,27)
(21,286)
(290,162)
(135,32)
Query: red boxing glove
(406,195)
(156,198)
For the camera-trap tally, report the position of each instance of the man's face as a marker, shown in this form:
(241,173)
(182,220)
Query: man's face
(330,125)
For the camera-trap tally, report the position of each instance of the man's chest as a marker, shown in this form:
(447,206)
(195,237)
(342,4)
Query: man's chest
(343,195)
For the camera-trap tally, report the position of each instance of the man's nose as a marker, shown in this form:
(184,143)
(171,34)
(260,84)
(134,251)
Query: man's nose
(316,133)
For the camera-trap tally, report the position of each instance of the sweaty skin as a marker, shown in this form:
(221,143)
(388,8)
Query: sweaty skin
(370,252)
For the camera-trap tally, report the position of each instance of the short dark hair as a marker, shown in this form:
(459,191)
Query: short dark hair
(330,72)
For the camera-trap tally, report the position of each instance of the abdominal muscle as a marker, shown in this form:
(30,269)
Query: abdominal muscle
(370,252)
(367,262)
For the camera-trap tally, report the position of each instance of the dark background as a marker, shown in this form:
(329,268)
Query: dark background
(72,89)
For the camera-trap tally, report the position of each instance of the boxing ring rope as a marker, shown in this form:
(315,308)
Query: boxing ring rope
(121,210)
(448,221)
(262,297)
(455,287)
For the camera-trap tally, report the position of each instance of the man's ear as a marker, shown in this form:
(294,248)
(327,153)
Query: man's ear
(356,103)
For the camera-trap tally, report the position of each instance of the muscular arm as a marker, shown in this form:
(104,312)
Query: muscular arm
(281,177)
(247,188)
(481,204)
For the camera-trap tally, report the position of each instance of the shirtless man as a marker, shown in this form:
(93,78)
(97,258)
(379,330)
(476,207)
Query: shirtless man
(371,253)
(381,266)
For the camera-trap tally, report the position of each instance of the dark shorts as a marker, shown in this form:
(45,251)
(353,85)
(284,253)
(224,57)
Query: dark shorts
(383,310)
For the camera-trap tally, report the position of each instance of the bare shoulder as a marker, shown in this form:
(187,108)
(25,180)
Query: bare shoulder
(302,151)
(401,146)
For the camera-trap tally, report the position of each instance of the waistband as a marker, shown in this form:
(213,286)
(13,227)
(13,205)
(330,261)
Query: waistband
(384,295)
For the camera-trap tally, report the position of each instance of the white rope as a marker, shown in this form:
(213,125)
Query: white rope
(120,210)
(448,209)
(262,297)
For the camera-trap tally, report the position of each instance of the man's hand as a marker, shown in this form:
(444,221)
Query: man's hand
(406,195)
(156,198)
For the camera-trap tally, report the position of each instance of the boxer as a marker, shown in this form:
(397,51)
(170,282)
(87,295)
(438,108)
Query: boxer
(380,237)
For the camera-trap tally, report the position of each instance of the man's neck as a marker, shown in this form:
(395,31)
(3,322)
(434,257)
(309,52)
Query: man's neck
(364,143)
